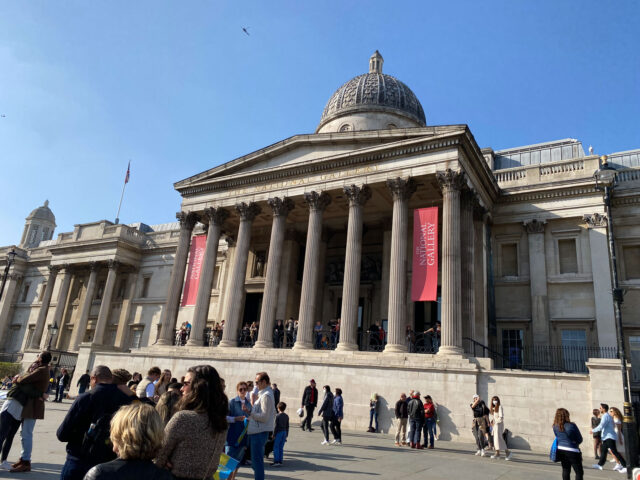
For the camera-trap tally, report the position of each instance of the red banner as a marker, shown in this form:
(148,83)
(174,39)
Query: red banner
(424,285)
(196,254)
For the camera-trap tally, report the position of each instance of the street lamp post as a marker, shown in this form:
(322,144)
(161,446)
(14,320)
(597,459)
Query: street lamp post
(10,258)
(605,178)
(52,333)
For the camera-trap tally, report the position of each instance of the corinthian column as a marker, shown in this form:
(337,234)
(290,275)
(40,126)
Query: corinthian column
(105,305)
(234,305)
(81,327)
(468,262)
(215,217)
(176,281)
(62,299)
(8,299)
(451,183)
(44,308)
(401,191)
(357,196)
(317,203)
(281,208)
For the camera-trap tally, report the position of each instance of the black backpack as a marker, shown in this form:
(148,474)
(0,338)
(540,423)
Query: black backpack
(96,444)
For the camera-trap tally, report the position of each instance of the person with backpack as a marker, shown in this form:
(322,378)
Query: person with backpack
(86,427)
(416,420)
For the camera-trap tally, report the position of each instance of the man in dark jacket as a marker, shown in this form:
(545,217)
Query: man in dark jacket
(309,402)
(83,382)
(87,412)
(62,381)
(415,410)
(402,414)
(276,393)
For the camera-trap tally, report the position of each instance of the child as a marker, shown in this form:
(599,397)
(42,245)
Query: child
(280,433)
(597,439)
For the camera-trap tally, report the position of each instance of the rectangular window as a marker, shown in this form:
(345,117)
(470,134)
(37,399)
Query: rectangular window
(509,267)
(145,287)
(122,289)
(216,278)
(634,349)
(100,290)
(512,344)
(32,329)
(25,292)
(111,336)
(631,262)
(136,337)
(568,257)
(11,343)
(43,287)
(574,350)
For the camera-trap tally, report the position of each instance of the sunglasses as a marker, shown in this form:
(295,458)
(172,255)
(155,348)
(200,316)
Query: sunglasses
(186,383)
(242,389)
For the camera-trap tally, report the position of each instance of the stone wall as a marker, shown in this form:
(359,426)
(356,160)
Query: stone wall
(529,398)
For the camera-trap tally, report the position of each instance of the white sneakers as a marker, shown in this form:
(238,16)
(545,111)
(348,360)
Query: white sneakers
(483,453)
(324,442)
(596,466)
(508,457)
(623,470)
(494,456)
(5,465)
(478,452)
(336,442)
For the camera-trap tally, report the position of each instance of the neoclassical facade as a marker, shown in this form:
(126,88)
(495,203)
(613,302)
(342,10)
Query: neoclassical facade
(319,227)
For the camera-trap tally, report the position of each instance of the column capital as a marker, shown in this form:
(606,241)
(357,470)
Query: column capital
(534,226)
(357,195)
(281,206)
(595,220)
(401,189)
(68,268)
(187,220)
(248,211)
(54,269)
(450,180)
(113,264)
(15,276)
(317,201)
(94,266)
(215,216)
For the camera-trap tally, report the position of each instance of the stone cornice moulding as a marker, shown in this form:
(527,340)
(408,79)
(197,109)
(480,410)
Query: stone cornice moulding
(548,194)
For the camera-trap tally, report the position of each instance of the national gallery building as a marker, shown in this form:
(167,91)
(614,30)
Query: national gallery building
(299,259)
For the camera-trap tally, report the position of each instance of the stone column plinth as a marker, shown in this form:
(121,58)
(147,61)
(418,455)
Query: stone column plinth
(451,322)
(281,208)
(601,269)
(80,328)
(357,196)
(538,281)
(401,191)
(44,309)
(61,303)
(8,299)
(105,304)
(467,247)
(215,218)
(176,282)
(317,203)
(234,306)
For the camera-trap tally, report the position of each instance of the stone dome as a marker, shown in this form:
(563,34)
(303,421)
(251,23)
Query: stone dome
(43,213)
(374,101)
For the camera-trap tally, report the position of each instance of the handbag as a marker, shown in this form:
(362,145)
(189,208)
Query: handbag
(553,454)
(301,412)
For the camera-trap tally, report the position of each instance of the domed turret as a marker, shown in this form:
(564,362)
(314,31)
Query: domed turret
(373,101)
(39,226)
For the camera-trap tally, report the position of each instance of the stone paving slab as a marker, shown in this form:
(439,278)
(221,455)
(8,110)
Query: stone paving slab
(362,456)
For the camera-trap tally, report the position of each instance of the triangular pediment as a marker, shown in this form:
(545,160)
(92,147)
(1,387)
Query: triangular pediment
(302,149)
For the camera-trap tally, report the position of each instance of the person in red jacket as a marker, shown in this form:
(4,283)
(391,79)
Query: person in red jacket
(429,421)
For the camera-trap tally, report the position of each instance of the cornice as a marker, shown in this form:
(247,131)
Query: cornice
(369,155)
(548,194)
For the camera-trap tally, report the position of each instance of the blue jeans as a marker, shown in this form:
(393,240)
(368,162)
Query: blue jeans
(415,427)
(373,416)
(278,446)
(27,438)
(256,443)
(74,469)
(429,429)
(82,389)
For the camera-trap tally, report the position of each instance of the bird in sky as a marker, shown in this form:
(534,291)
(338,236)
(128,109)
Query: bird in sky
(245,30)
(3,116)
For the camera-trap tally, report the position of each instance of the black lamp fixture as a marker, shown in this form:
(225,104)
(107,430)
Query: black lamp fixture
(11,256)
(52,333)
(606,181)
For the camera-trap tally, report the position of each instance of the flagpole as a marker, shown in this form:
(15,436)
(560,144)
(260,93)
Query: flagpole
(120,204)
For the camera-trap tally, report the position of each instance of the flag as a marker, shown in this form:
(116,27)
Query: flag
(126,177)
(424,278)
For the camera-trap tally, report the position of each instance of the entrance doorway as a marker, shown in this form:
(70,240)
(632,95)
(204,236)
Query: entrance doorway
(252,307)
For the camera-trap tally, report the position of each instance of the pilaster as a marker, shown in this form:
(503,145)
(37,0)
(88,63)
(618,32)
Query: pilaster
(538,281)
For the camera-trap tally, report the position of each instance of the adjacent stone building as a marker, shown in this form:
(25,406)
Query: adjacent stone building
(318,227)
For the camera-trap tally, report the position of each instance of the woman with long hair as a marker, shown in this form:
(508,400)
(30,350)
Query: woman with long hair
(373,413)
(136,434)
(617,420)
(162,384)
(168,402)
(497,422)
(569,439)
(195,435)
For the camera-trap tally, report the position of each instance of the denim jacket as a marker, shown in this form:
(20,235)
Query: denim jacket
(607,428)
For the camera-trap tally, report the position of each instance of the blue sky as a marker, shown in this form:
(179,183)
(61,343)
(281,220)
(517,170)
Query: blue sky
(177,87)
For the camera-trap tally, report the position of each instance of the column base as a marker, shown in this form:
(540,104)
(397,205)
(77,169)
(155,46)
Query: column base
(163,341)
(450,350)
(303,345)
(395,348)
(347,347)
(228,344)
(263,344)
(195,342)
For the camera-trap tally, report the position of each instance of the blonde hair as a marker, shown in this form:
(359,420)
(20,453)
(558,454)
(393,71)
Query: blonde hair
(137,431)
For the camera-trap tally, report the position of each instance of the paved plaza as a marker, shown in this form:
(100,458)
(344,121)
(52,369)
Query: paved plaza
(363,455)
